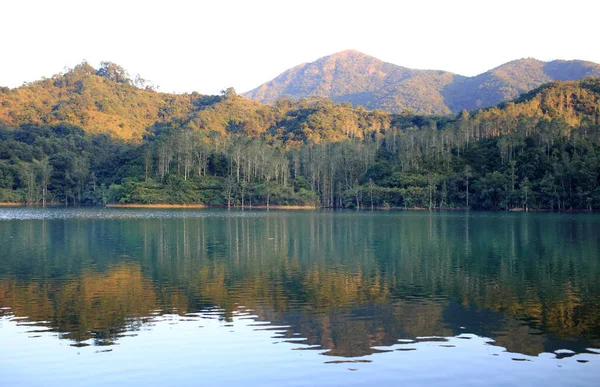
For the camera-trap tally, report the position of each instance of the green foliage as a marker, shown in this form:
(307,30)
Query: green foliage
(11,196)
(539,152)
(101,101)
(114,72)
(300,183)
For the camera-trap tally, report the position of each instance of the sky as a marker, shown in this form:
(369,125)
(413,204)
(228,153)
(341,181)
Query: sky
(207,46)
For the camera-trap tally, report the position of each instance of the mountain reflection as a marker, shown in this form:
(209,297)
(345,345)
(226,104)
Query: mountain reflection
(344,282)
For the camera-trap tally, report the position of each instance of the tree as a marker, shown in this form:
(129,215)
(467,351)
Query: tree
(147,162)
(28,176)
(145,84)
(44,172)
(525,187)
(80,173)
(228,188)
(371,188)
(228,93)
(491,190)
(549,191)
(114,72)
(432,181)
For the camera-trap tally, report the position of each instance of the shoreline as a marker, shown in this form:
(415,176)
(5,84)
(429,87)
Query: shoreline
(275,207)
(290,207)
(133,205)
(261,207)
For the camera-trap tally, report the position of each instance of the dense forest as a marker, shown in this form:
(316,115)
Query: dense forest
(94,137)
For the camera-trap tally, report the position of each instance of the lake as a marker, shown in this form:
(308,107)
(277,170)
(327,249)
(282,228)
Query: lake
(288,298)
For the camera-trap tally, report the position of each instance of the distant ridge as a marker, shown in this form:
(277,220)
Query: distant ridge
(351,76)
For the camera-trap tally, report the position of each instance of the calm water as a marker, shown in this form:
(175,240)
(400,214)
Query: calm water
(215,297)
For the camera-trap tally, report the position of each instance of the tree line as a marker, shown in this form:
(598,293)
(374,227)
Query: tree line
(540,151)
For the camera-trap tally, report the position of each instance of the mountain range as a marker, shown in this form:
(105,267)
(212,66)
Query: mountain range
(360,79)
(105,100)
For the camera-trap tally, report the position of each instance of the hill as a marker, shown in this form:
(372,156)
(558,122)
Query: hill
(101,101)
(538,151)
(106,101)
(511,79)
(351,76)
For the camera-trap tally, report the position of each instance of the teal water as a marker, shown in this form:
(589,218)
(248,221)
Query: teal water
(217,297)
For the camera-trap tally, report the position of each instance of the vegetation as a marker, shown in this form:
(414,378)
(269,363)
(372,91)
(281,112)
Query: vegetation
(351,76)
(540,151)
(101,101)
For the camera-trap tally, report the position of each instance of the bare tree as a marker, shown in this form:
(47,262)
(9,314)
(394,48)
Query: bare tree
(44,172)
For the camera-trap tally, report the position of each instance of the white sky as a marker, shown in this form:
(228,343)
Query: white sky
(206,46)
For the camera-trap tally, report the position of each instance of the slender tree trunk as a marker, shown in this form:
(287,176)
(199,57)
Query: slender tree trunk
(467,192)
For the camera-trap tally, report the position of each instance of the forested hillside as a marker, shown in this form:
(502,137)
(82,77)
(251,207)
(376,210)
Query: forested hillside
(541,151)
(101,101)
(351,76)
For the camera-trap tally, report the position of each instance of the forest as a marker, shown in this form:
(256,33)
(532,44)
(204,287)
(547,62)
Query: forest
(94,137)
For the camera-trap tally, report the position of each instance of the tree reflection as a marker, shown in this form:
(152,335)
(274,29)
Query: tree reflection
(345,282)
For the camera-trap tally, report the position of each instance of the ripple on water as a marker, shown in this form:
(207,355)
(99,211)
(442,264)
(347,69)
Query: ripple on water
(423,359)
(314,291)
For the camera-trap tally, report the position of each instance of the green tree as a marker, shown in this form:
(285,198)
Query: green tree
(44,173)
(525,189)
(114,72)
(28,179)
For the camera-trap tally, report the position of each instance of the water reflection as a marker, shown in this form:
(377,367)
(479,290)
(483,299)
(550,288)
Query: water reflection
(344,284)
(202,348)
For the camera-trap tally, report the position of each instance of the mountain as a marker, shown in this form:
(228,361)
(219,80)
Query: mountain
(351,76)
(101,101)
(511,79)
(106,101)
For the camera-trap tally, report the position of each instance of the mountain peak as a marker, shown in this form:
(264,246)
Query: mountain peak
(347,53)
(348,56)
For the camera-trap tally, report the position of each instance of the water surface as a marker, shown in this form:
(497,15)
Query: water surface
(216,297)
